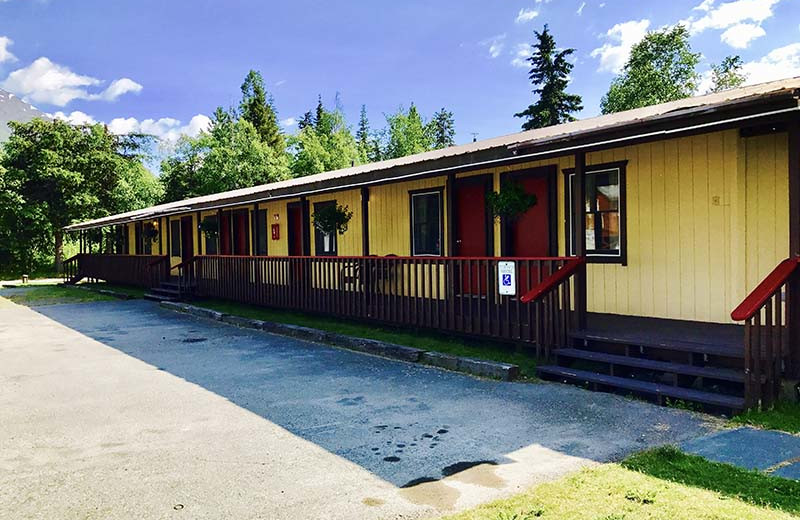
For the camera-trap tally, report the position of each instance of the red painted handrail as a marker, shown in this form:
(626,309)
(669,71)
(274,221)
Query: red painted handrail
(764,291)
(554,280)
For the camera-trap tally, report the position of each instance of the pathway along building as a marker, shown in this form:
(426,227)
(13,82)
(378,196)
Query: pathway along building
(650,227)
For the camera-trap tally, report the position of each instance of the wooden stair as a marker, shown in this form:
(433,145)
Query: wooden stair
(168,291)
(658,359)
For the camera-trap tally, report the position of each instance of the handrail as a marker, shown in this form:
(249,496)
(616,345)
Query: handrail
(71,259)
(554,280)
(759,296)
(183,264)
(159,260)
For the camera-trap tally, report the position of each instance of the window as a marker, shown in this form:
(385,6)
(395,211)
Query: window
(426,223)
(604,211)
(175,237)
(212,240)
(324,243)
(261,232)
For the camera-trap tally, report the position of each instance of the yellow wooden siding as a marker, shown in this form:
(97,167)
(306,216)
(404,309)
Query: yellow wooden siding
(389,216)
(707,219)
(131,230)
(348,244)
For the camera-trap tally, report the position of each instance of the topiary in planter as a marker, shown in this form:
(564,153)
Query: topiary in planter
(511,202)
(332,218)
(209,227)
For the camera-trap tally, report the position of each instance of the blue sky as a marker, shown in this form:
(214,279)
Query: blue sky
(163,65)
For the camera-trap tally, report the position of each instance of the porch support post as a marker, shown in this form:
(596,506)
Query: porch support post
(305,218)
(199,236)
(579,232)
(169,238)
(219,231)
(450,195)
(254,230)
(364,221)
(793,293)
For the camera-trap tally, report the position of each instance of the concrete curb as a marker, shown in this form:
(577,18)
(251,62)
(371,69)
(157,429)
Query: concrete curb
(477,367)
(107,292)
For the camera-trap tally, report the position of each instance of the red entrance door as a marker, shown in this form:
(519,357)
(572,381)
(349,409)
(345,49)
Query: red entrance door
(225,233)
(473,237)
(530,234)
(295,229)
(240,228)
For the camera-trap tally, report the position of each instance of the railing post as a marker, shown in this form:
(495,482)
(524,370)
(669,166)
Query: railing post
(793,288)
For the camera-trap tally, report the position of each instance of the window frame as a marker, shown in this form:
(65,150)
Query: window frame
(601,257)
(439,192)
(319,235)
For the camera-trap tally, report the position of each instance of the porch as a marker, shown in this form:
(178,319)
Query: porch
(722,367)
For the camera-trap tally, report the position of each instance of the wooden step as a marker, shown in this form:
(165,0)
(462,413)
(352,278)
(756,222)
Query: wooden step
(655,389)
(665,344)
(722,374)
(160,297)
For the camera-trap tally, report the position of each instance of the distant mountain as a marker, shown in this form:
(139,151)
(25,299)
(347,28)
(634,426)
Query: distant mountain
(13,108)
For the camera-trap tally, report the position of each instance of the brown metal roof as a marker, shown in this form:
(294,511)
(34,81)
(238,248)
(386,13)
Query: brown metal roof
(506,147)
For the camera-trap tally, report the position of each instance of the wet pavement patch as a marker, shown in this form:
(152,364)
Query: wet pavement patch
(458,467)
(194,340)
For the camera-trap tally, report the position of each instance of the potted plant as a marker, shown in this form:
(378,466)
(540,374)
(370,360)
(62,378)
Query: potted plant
(332,218)
(511,202)
(209,227)
(150,231)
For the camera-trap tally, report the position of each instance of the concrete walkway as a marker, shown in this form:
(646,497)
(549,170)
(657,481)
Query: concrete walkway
(124,410)
(776,453)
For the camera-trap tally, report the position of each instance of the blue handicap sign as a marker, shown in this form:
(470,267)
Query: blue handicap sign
(506,279)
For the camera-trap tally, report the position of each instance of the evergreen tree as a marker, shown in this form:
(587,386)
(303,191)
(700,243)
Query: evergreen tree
(441,129)
(363,140)
(549,75)
(259,111)
(661,68)
(326,146)
(320,111)
(406,134)
(727,74)
(306,120)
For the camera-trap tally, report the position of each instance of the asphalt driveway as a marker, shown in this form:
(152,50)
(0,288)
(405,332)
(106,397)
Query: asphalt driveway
(118,409)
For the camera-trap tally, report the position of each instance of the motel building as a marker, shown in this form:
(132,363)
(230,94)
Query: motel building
(657,256)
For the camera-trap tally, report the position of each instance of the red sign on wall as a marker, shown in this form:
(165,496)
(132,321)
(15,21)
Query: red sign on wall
(276,231)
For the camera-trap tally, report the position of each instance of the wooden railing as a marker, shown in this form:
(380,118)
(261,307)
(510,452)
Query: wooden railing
(186,275)
(137,270)
(766,347)
(70,269)
(445,293)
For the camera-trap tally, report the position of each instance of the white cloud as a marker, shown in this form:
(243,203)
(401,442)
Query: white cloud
(521,55)
(46,82)
(166,128)
(76,117)
(526,15)
(741,35)
(783,62)
(5,54)
(580,9)
(740,19)
(289,122)
(496,44)
(614,53)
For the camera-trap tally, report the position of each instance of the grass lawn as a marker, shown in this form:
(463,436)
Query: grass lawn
(50,295)
(427,341)
(657,484)
(785,416)
(133,292)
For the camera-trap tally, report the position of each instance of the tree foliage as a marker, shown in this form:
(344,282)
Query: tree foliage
(326,145)
(549,74)
(442,129)
(258,109)
(53,174)
(407,134)
(661,68)
(727,74)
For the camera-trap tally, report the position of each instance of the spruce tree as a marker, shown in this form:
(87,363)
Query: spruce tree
(320,111)
(363,136)
(306,120)
(259,111)
(442,129)
(549,75)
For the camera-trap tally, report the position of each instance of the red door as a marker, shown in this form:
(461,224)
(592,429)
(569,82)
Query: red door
(225,233)
(529,235)
(472,232)
(295,229)
(240,233)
